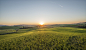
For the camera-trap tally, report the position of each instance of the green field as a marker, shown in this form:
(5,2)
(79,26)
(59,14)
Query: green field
(57,38)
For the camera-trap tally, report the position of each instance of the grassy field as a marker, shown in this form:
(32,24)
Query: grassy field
(58,38)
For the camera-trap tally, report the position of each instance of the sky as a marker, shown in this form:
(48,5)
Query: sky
(13,12)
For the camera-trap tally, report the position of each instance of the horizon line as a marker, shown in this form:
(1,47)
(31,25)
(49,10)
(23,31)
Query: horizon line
(39,24)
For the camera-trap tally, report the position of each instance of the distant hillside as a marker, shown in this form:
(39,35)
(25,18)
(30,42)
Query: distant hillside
(15,26)
(26,25)
(9,27)
(3,25)
(79,25)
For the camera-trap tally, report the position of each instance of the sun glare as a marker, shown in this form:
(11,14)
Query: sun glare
(41,23)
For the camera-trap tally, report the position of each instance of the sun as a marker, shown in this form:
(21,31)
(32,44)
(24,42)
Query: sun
(41,23)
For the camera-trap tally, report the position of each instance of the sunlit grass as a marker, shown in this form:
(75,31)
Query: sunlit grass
(61,38)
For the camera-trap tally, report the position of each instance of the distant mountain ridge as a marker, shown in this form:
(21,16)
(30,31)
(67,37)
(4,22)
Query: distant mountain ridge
(3,25)
(79,25)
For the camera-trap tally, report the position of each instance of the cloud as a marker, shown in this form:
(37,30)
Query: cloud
(60,5)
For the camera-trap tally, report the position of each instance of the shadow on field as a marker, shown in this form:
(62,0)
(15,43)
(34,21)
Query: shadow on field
(8,33)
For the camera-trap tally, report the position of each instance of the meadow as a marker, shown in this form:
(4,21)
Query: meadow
(56,38)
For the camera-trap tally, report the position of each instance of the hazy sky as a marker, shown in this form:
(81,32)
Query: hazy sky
(47,11)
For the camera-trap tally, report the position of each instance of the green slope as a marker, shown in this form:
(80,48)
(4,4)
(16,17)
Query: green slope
(58,38)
